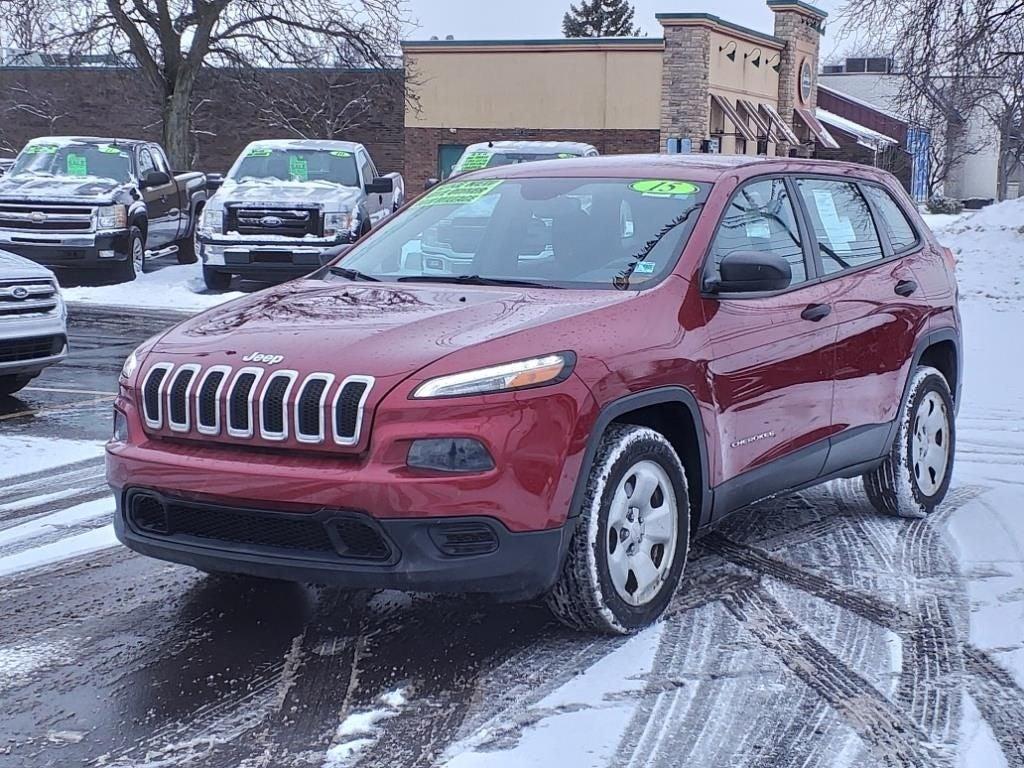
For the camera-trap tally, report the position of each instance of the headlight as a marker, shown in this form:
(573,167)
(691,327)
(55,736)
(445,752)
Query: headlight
(112,217)
(340,223)
(212,222)
(130,366)
(536,372)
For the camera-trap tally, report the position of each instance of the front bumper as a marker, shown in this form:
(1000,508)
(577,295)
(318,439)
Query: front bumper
(463,555)
(275,259)
(93,250)
(30,344)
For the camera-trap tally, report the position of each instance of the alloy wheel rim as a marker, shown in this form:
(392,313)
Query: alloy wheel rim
(930,444)
(642,533)
(138,256)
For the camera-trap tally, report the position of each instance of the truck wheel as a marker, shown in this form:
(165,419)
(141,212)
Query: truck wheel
(11,384)
(127,270)
(215,280)
(914,477)
(187,246)
(630,545)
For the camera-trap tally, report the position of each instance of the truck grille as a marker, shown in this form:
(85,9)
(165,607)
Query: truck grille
(27,297)
(245,403)
(326,535)
(37,217)
(35,348)
(286,222)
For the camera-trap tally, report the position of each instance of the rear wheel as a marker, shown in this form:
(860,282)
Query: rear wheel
(11,384)
(914,478)
(629,549)
(216,280)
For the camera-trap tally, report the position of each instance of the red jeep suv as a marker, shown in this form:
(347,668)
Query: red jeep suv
(626,350)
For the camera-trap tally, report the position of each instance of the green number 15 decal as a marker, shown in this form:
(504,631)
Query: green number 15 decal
(664,188)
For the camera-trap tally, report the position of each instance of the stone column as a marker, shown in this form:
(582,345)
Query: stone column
(685,87)
(801,27)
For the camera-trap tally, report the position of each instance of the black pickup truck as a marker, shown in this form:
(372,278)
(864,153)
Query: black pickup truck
(110,204)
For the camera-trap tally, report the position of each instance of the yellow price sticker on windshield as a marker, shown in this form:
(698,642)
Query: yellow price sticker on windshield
(459,193)
(664,188)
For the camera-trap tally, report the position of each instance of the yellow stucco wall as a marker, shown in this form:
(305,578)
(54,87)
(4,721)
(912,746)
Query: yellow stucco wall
(529,88)
(740,78)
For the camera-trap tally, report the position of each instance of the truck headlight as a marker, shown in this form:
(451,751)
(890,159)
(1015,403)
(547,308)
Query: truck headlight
(340,223)
(112,217)
(212,222)
(523,374)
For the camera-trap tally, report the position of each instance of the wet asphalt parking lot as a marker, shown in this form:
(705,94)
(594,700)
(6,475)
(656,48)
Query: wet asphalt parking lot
(809,631)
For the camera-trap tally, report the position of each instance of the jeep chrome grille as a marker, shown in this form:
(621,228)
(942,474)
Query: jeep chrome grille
(242,404)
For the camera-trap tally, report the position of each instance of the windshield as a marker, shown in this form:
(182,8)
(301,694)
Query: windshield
(74,160)
(297,165)
(487,158)
(568,233)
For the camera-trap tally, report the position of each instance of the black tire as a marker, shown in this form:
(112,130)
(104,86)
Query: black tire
(585,597)
(126,271)
(13,383)
(909,483)
(216,280)
(187,252)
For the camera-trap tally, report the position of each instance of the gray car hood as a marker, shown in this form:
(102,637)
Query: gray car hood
(274,193)
(12,266)
(24,186)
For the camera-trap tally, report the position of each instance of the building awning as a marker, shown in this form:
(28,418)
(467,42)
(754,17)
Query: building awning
(762,126)
(730,112)
(864,136)
(818,131)
(780,125)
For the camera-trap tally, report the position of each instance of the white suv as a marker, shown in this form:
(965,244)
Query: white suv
(33,322)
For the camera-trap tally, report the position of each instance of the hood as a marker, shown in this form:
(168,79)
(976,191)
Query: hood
(87,188)
(274,193)
(15,267)
(354,328)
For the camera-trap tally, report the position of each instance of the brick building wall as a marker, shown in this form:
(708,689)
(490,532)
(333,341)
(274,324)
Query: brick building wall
(800,27)
(117,102)
(421,144)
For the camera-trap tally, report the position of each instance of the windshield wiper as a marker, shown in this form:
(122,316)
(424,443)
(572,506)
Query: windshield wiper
(621,280)
(354,274)
(473,280)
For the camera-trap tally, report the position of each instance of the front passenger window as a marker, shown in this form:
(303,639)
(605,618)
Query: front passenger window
(761,218)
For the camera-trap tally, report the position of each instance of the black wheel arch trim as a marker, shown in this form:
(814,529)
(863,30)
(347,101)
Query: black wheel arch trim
(930,339)
(633,402)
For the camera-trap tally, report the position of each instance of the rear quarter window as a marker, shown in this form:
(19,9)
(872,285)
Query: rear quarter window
(901,232)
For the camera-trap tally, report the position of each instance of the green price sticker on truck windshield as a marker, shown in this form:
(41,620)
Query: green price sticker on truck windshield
(41,149)
(258,152)
(476,160)
(108,149)
(298,168)
(664,188)
(459,193)
(340,153)
(77,165)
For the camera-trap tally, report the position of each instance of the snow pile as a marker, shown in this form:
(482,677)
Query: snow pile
(26,455)
(179,287)
(989,248)
(361,730)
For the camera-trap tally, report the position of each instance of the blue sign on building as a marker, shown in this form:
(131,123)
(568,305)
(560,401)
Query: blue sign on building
(919,142)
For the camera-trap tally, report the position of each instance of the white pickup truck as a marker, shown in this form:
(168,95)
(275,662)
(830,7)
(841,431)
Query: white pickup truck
(33,322)
(285,202)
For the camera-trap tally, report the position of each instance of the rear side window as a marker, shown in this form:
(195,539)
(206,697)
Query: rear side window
(842,223)
(761,218)
(902,234)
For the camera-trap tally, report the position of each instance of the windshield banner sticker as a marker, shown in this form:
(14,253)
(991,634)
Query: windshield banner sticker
(41,149)
(566,155)
(109,149)
(258,152)
(459,193)
(340,153)
(77,165)
(664,188)
(298,168)
(476,160)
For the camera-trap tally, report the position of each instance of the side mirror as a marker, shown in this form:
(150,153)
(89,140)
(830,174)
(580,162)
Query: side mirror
(382,185)
(753,271)
(334,253)
(214,181)
(155,179)
(430,184)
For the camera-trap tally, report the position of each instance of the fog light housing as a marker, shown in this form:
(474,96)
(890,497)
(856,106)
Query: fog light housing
(120,427)
(107,254)
(213,255)
(450,454)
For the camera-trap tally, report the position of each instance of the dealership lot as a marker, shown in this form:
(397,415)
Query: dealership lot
(808,631)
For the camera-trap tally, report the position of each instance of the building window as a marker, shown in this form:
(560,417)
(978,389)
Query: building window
(447,156)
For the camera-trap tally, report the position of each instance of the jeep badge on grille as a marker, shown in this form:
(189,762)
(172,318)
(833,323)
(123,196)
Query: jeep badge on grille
(258,357)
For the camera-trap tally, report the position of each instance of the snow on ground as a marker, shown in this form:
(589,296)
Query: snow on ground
(177,287)
(360,730)
(24,455)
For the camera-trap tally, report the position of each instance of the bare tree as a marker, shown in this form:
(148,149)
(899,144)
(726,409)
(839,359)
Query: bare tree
(1005,106)
(172,41)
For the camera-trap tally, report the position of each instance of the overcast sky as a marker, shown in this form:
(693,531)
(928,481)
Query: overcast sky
(497,19)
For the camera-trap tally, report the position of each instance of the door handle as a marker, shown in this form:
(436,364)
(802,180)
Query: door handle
(905,287)
(816,312)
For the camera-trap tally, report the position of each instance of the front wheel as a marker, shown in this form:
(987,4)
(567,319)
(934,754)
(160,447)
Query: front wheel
(914,478)
(127,270)
(188,249)
(215,280)
(630,545)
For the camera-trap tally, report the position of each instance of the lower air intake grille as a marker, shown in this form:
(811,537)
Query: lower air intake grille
(361,540)
(464,539)
(36,348)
